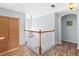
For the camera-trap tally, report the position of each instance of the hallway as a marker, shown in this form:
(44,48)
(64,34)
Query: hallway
(65,49)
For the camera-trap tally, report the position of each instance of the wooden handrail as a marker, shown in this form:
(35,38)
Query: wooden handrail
(39,31)
(47,31)
(32,31)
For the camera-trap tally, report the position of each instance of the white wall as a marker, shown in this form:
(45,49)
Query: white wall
(48,39)
(69,33)
(57,29)
(9,13)
(28,24)
(28,21)
(44,22)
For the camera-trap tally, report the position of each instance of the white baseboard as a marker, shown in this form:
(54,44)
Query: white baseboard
(58,43)
(70,41)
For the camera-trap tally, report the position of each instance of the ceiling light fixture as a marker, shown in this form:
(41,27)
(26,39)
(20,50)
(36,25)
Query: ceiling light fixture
(52,5)
(72,6)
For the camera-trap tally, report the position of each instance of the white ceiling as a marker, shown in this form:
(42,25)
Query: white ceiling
(35,9)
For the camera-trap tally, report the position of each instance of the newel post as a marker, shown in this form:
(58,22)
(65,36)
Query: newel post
(40,42)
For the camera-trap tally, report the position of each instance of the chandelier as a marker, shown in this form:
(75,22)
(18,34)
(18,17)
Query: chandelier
(72,6)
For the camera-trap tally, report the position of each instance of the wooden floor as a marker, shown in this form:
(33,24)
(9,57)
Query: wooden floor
(65,49)
(23,50)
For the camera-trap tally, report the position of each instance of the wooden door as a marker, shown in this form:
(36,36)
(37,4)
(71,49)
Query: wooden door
(13,33)
(4,29)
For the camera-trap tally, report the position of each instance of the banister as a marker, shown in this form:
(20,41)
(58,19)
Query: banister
(40,32)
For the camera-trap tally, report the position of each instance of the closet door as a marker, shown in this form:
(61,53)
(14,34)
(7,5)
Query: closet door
(4,34)
(13,32)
